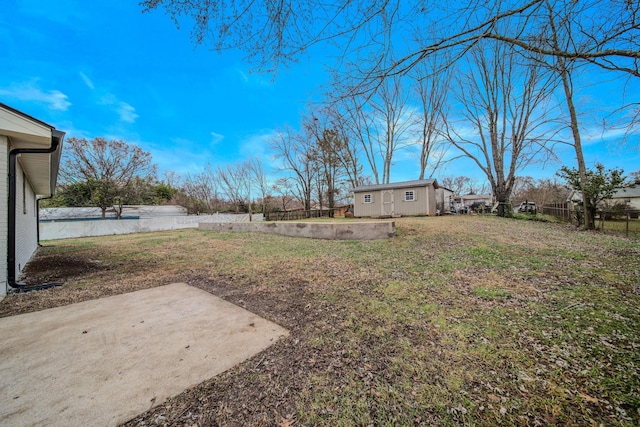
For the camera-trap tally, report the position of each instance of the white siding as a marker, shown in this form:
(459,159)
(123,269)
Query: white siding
(4,212)
(444,200)
(26,221)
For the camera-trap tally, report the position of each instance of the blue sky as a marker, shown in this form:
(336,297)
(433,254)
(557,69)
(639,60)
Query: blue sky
(105,69)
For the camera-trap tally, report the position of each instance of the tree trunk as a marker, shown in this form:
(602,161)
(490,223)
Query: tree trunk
(589,221)
(502,197)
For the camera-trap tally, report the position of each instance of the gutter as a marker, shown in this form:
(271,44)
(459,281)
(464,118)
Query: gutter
(56,141)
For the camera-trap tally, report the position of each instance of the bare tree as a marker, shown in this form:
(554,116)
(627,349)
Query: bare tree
(296,151)
(392,121)
(258,177)
(345,148)
(171,178)
(235,181)
(381,124)
(503,101)
(559,35)
(431,87)
(357,124)
(275,32)
(463,185)
(541,191)
(284,189)
(201,191)
(602,34)
(334,157)
(108,167)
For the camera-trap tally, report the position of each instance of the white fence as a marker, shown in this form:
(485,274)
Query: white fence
(71,229)
(128,211)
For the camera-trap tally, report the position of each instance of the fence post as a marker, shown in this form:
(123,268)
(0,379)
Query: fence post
(626,231)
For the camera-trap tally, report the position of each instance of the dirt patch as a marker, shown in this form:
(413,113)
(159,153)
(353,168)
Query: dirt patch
(55,267)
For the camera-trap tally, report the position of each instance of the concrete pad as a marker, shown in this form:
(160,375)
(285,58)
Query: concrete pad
(103,362)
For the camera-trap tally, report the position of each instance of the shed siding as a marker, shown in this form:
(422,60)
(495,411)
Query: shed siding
(431,208)
(424,202)
(419,206)
(360,208)
(26,221)
(4,212)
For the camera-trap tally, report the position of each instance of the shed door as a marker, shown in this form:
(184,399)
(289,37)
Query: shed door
(387,202)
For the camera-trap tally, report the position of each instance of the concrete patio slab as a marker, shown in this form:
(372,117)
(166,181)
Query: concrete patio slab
(103,362)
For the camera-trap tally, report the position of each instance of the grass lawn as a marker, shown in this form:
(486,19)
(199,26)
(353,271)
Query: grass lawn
(621,227)
(465,320)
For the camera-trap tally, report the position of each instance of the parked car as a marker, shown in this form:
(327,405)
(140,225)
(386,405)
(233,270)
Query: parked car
(527,207)
(482,207)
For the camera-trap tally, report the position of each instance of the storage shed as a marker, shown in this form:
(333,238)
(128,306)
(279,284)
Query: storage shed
(408,198)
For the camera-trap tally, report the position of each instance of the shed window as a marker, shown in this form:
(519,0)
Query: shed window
(409,196)
(367,198)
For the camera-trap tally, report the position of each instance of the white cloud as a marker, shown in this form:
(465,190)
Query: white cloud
(257,145)
(599,134)
(30,91)
(216,138)
(87,80)
(126,111)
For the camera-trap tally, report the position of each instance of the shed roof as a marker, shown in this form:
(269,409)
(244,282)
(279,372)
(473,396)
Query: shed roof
(394,185)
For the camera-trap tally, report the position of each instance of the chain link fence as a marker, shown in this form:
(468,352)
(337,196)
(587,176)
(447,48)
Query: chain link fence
(620,220)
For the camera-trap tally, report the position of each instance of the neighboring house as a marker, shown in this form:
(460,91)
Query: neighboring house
(462,203)
(444,201)
(408,198)
(29,169)
(629,196)
(470,199)
(340,210)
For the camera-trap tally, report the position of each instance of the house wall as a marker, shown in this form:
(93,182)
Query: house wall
(4,212)
(634,202)
(26,221)
(444,200)
(424,202)
(468,200)
(630,194)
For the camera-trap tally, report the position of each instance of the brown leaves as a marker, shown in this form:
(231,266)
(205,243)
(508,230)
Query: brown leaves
(287,422)
(588,398)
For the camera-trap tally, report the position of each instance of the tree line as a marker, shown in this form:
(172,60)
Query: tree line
(495,80)
(111,174)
